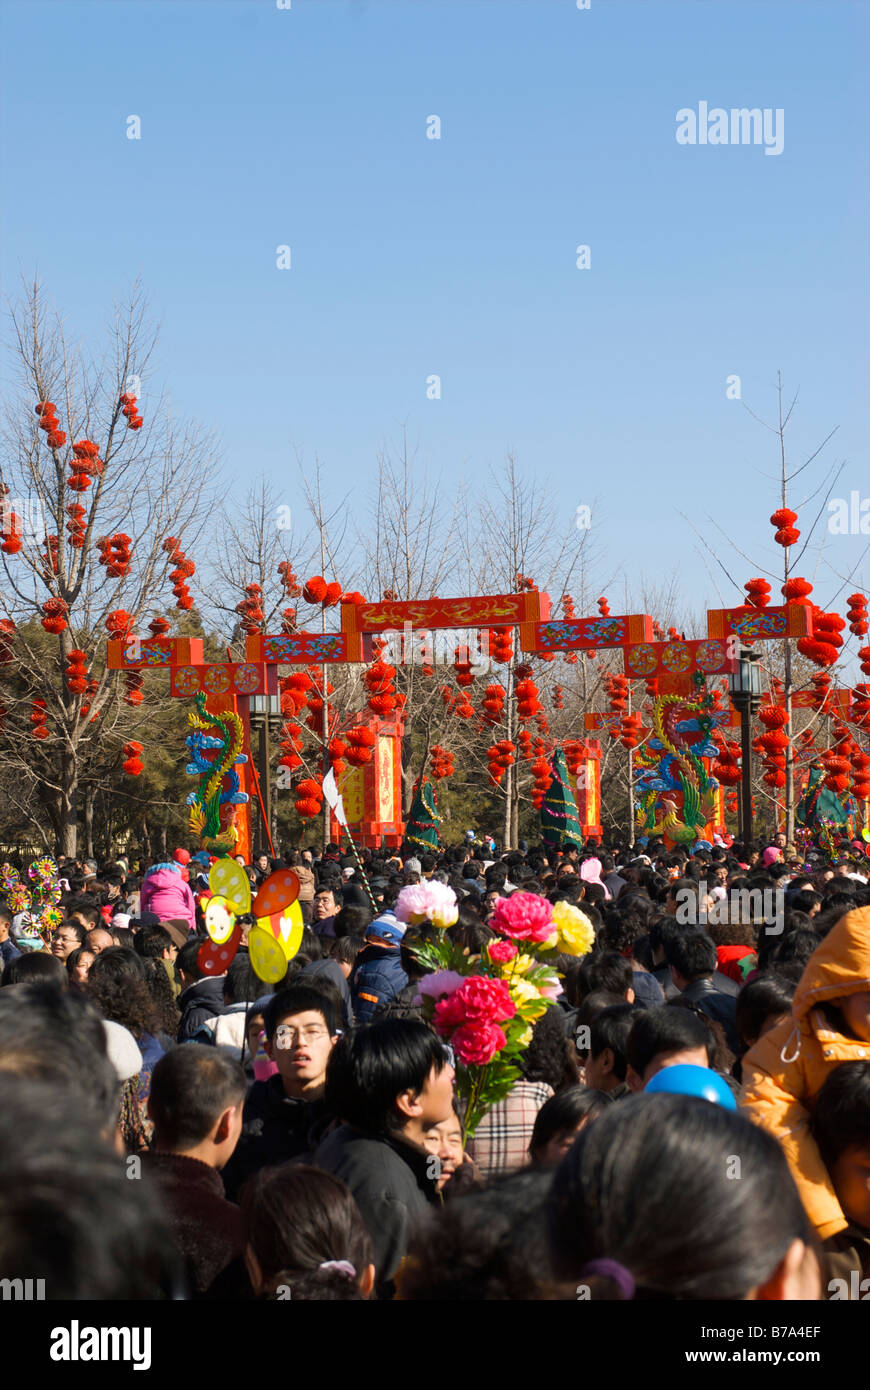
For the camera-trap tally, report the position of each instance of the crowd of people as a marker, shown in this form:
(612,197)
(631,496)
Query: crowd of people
(692,1119)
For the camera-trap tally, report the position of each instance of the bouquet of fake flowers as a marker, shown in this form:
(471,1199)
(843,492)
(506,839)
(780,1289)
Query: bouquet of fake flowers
(484,1006)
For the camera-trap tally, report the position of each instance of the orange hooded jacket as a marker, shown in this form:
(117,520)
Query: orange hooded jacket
(784,1071)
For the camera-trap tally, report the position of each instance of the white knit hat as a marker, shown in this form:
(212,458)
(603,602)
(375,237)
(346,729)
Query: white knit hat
(122,1050)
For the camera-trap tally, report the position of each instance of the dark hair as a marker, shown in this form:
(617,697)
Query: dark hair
(241,983)
(470,933)
(191,1087)
(77,929)
(67,1210)
(603,970)
(495,876)
(804,900)
(298,999)
(767,994)
(310,948)
(792,946)
(332,886)
(116,984)
(36,967)
(74,957)
(551,1056)
(840,1117)
(88,909)
(565,1112)
(345,949)
(664,1029)
(621,930)
(298,1218)
(370,1067)
(58,1036)
(352,920)
(683,888)
(692,953)
(594,1004)
(167,1014)
(488,1244)
(187,960)
(611,1028)
(724,1238)
(153,941)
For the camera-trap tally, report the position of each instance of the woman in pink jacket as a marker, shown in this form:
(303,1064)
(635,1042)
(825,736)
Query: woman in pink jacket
(165,893)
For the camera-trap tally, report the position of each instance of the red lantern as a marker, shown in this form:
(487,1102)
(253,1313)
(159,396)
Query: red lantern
(773,716)
(315,590)
(796,590)
(55,610)
(119,623)
(758,592)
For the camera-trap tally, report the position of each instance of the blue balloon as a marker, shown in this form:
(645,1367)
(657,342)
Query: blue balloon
(689,1080)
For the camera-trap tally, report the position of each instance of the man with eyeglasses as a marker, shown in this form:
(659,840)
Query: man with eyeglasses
(301,1030)
(68,938)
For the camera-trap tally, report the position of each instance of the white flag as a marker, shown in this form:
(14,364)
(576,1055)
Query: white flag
(333,797)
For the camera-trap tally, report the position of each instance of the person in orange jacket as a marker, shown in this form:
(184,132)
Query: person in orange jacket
(786,1068)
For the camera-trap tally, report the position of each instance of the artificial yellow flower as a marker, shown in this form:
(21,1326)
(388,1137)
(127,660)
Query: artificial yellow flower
(576,932)
(521,965)
(525,1037)
(521,992)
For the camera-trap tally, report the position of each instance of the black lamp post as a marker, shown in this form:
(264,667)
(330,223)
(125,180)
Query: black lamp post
(746,697)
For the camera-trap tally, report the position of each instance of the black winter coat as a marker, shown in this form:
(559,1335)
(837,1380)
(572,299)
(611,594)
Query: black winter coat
(275,1128)
(390,1183)
(201,1000)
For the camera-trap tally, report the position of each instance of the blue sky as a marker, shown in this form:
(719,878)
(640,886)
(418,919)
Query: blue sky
(456,257)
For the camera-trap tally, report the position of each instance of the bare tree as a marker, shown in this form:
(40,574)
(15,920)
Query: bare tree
(781,659)
(136,476)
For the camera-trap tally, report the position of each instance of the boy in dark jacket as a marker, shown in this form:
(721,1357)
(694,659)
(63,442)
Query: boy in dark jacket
(392,1085)
(378,975)
(301,1030)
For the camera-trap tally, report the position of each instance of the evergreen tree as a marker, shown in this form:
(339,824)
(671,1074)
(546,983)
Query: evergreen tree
(560,823)
(423,817)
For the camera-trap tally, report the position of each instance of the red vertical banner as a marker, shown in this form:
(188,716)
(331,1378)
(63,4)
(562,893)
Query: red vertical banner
(372,794)
(586,786)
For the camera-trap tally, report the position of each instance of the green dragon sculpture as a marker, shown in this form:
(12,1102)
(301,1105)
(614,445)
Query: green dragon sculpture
(213,804)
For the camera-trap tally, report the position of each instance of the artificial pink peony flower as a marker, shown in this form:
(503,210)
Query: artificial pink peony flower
(438,984)
(523,916)
(475,1044)
(428,902)
(479,999)
(502,951)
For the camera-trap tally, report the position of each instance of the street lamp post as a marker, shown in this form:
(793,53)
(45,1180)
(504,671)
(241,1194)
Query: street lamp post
(746,697)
